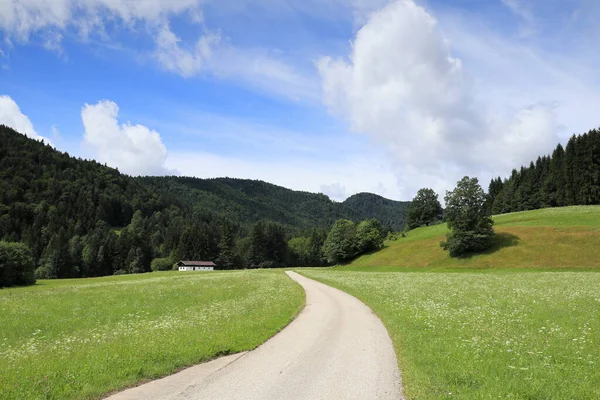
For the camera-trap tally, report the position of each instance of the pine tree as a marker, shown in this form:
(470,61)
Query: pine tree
(226,258)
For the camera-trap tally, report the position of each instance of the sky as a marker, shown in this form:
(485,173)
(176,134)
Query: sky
(331,96)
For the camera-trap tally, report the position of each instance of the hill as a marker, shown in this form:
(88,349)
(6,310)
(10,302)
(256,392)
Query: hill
(81,218)
(390,213)
(253,200)
(565,237)
(34,173)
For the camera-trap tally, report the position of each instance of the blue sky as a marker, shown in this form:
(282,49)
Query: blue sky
(337,96)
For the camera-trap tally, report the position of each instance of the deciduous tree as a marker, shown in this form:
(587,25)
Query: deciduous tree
(425,209)
(468,218)
(341,244)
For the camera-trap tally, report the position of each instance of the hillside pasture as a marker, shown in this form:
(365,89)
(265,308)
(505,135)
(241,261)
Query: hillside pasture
(550,238)
(486,334)
(79,339)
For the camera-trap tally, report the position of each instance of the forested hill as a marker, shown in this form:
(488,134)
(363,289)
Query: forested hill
(368,205)
(569,176)
(86,191)
(81,218)
(252,200)
(41,186)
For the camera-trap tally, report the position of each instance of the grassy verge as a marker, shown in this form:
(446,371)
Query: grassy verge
(484,335)
(74,339)
(566,238)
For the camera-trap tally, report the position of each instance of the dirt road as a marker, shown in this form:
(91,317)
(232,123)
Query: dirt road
(335,349)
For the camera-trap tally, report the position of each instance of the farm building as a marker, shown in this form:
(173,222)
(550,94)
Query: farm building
(196,265)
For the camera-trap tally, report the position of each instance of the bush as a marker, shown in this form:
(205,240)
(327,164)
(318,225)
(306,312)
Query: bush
(393,236)
(162,264)
(16,265)
(44,272)
(459,243)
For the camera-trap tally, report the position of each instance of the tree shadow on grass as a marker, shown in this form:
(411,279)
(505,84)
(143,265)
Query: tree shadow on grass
(501,241)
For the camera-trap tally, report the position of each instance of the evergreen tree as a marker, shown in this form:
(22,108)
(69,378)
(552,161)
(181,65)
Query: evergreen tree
(257,245)
(227,258)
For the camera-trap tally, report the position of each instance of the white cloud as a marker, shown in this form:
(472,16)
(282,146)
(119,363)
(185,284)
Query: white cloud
(47,22)
(134,149)
(185,62)
(259,69)
(214,56)
(11,115)
(403,86)
(20,19)
(335,191)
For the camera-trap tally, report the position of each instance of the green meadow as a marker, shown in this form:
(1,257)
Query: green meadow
(521,321)
(74,339)
(566,238)
(486,334)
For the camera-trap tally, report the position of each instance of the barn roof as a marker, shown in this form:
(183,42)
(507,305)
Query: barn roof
(197,264)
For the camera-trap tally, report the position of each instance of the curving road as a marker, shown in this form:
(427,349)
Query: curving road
(335,349)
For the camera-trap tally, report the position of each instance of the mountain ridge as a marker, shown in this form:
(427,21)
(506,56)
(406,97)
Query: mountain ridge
(34,173)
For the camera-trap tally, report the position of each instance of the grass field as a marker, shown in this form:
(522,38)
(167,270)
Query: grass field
(487,334)
(82,338)
(566,237)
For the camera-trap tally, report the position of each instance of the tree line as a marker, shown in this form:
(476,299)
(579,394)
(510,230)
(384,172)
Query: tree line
(79,218)
(569,176)
(158,241)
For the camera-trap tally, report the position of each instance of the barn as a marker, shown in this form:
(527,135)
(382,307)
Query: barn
(196,265)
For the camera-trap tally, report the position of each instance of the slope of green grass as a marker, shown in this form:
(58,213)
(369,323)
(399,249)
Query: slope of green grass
(566,237)
(487,334)
(74,339)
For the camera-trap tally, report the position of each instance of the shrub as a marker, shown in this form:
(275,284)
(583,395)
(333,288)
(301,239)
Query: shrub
(162,264)
(393,236)
(44,272)
(16,265)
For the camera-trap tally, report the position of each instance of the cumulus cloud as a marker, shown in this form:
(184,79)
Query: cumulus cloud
(134,149)
(11,115)
(402,85)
